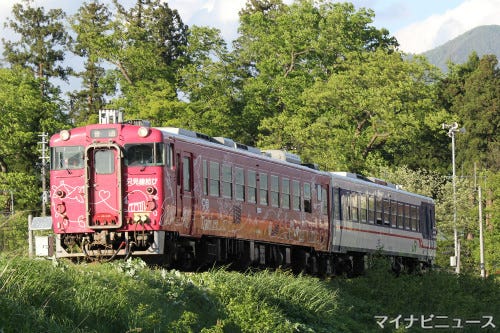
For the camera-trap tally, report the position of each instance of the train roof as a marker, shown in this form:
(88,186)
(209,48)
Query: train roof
(285,158)
(376,183)
(276,156)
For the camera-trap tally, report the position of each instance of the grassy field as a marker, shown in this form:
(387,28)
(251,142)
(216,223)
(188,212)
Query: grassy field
(58,296)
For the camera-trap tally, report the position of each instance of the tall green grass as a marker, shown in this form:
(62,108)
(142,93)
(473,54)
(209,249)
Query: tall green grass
(126,296)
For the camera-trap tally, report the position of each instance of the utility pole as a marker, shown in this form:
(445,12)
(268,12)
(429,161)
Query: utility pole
(452,129)
(481,237)
(44,158)
(481,240)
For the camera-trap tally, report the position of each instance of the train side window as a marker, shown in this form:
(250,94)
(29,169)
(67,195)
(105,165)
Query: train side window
(394,214)
(362,208)
(336,203)
(158,154)
(170,156)
(275,191)
(227,181)
(407,217)
(417,218)
(239,184)
(371,209)
(344,202)
(178,169)
(414,218)
(401,216)
(378,210)
(214,179)
(296,195)
(324,202)
(252,186)
(307,198)
(205,177)
(432,222)
(354,206)
(387,212)
(144,154)
(285,189)
(186,173)
(263,189)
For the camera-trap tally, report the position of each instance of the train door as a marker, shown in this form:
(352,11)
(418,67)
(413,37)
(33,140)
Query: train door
(426,224)
(103,187)
(185,195)
(335,219)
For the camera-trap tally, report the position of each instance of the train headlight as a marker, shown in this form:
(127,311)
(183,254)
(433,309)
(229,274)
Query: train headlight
(144,218)
(143,132)
(64,134)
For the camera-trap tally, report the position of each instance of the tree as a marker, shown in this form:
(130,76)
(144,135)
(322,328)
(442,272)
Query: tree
(479,109)
(286,48)
(92,27)
(149,39)
(142,48)
(24,188)
(471,94)
(359,116)
(145,47)
(42,43)
(25,114)
(491,220)
(211,82)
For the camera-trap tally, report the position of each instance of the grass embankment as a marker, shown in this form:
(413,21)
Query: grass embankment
(45,296)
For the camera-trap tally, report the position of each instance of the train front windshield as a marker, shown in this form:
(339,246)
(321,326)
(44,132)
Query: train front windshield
(70,157)
(144,154)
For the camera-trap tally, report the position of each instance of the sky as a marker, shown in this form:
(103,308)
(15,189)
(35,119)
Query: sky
(418,25)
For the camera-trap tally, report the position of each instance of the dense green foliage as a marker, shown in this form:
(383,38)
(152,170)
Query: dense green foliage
(46,296)
(312,77)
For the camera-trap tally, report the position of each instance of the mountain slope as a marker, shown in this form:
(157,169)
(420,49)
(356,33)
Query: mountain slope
(483,40)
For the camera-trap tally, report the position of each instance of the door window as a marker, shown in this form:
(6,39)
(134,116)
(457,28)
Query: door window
(104,162)
(186,173)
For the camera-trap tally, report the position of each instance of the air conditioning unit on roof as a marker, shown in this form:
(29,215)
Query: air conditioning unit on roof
(283,156)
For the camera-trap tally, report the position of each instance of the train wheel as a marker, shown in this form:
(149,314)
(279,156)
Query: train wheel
(397,265)
(299,260)
(276,256)
(358,264)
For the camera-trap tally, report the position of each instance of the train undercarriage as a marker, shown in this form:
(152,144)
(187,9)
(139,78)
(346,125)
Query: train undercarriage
(189,254)
(107,245)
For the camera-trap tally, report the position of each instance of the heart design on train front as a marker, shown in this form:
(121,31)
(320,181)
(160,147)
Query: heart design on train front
(104,195)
